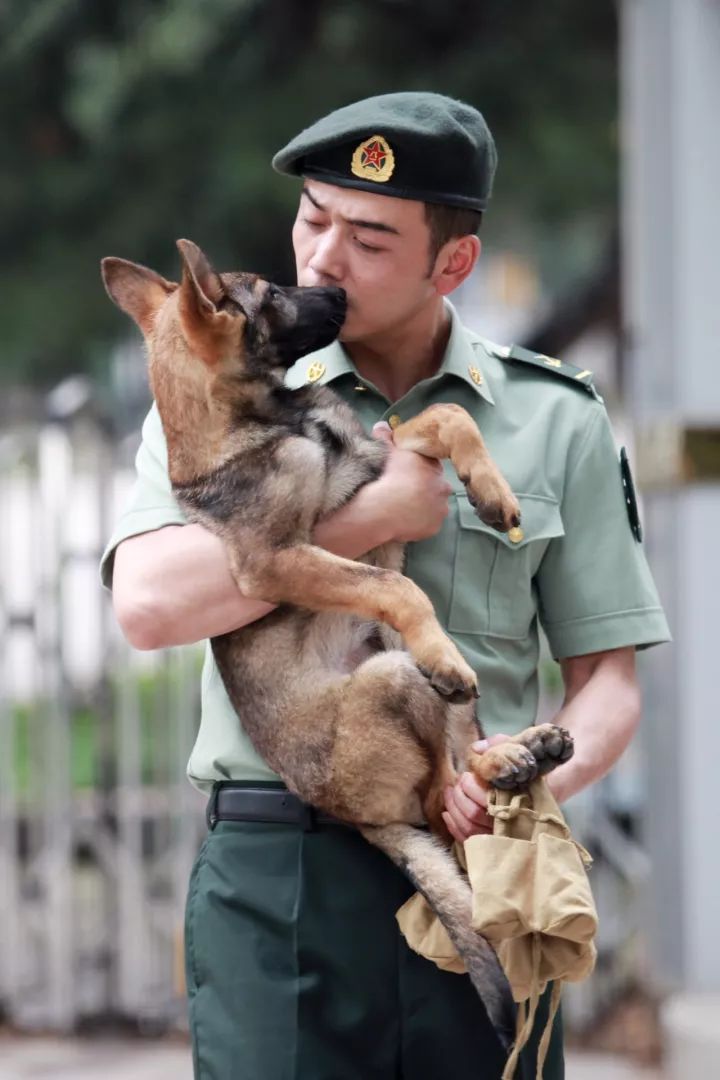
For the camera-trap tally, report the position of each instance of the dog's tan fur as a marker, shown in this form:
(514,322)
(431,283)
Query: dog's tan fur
(350,690)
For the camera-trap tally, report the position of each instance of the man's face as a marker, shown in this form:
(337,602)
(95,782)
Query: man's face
(374,246)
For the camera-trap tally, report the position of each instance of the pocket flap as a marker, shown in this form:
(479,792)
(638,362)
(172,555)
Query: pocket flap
(540,519)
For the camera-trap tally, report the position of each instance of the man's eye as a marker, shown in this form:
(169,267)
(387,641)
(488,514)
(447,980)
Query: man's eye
(312,223)
(366,247)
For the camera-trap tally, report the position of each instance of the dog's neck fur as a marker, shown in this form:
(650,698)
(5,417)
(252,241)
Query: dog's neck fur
(200,402)
(195,420)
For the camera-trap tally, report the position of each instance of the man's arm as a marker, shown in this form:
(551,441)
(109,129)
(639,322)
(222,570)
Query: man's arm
(173,586)
(601,711)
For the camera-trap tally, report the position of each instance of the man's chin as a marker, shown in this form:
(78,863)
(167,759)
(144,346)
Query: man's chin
(352,329)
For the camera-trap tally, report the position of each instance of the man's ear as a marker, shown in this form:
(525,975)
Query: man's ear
(455,263)
(136,290)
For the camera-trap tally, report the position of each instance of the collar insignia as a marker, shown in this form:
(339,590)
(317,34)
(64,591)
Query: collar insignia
(315,371)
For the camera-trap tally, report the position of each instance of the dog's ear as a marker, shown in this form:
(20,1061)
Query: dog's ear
(199,276)
(211,333)
(135,289)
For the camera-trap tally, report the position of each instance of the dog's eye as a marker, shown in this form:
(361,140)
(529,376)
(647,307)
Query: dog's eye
(272,292)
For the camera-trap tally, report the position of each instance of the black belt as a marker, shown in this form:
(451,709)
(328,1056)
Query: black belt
(275,805)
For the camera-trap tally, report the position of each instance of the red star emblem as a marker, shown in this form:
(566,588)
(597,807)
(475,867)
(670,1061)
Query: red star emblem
(374,154)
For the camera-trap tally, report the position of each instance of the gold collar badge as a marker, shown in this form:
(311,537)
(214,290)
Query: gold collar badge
(373,160)
(315,371)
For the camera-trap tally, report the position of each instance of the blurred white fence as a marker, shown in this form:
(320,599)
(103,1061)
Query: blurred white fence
(98,826)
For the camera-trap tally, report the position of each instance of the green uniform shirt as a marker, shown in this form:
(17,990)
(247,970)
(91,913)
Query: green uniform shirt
(577,567)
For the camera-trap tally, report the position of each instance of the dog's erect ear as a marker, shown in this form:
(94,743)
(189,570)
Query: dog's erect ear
(200,276)
(210,332)
(135,289)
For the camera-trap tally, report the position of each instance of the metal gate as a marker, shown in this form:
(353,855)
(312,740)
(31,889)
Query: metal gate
(98,825)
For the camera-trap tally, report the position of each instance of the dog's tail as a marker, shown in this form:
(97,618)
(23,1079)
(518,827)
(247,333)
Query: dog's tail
(435,873)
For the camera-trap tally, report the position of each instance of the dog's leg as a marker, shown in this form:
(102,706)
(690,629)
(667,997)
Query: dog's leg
(310,577)
(534,752)
(448,431)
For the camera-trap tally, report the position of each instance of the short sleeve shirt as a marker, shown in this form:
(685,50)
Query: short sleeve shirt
(575,567)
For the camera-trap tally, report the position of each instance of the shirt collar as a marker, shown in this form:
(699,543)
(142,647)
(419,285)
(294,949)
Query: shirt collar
(463,358)
(323,366)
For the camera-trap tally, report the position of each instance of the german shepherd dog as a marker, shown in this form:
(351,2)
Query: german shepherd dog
(350,690)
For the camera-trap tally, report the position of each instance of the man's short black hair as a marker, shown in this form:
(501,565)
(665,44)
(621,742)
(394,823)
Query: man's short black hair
(449,223)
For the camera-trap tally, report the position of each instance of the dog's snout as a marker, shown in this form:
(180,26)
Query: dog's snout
(339,298)
(338,294)
(312,320)
(323,294)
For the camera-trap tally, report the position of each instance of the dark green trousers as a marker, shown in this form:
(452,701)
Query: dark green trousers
(296,969)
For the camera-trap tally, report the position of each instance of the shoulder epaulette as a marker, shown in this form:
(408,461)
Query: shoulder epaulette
(573,374)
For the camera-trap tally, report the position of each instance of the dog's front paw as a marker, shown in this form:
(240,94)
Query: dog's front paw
(513,764)
(449,674)
(550,745)
(509,765)
(492,499)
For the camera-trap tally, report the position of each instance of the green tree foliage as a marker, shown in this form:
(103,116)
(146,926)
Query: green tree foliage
(124,125)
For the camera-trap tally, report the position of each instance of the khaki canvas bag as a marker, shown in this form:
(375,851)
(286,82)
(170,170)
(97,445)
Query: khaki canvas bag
(531,900)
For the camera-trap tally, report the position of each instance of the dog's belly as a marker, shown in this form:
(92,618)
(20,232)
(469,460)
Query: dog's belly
(339,643)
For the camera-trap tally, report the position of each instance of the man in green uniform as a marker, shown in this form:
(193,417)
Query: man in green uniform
(296,970)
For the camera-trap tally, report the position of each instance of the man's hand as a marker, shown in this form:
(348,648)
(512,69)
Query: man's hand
(466,814)
(412,492)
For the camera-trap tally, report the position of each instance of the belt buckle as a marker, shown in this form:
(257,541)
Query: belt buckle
(211,808)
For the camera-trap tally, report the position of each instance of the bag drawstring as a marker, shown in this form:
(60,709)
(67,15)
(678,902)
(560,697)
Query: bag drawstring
(547,1033)
(526,1019)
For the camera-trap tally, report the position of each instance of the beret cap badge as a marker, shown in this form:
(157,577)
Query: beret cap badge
(373,159)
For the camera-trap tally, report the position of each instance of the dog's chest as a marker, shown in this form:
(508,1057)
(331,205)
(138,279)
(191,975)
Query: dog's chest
(351,459)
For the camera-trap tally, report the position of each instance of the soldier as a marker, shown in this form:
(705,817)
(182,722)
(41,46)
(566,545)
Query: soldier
(295,965)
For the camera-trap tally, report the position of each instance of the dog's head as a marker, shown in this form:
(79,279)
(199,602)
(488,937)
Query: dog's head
(236,322)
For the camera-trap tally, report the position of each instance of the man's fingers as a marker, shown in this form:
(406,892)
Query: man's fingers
(383,432)
(470,810)
(467,807)
(464,827)
(482,744)
(464,811)
(460,828)
(473,789)
(453,829)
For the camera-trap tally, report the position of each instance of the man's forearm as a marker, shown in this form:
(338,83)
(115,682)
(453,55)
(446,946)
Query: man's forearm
(174,586)
(601,712)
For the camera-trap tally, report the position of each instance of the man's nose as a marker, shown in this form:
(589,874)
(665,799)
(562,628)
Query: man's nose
(327,259)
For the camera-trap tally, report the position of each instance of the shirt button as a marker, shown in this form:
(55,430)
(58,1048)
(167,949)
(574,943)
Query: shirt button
(394,420)
(516,535)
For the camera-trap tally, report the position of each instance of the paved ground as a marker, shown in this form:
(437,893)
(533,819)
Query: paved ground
(110,1059)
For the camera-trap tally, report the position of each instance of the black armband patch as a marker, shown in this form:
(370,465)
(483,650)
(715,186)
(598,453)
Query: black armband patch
(630,498)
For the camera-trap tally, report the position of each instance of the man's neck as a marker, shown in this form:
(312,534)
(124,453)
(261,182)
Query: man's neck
(404,356)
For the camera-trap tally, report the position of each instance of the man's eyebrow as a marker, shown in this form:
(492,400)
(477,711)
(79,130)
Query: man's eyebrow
(359,223)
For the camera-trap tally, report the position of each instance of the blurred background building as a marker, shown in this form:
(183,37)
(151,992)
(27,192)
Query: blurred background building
(124,126)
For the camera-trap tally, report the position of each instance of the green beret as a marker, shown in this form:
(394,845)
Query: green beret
(412,145)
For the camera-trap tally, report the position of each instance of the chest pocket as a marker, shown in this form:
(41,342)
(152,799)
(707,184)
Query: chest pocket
(493,590)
